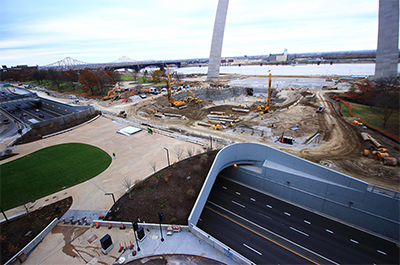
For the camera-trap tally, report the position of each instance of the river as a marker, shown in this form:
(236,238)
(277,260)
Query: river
(351,69)
(312,74)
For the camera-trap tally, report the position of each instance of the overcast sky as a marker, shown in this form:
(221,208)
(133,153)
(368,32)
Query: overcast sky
(40,32)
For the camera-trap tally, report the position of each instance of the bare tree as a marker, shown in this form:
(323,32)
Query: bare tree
(387,94)
(127,182)
(178,150)
(22,199)
(190,151)
(153,166)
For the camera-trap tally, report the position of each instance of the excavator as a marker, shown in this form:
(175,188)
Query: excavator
(112,94)
(263,109)
(172,101)
(191,97)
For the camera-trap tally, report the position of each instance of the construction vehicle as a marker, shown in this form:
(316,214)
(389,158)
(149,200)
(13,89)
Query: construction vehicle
(122,114)
(263,109)
(112,94)
(191,97)
(172,101)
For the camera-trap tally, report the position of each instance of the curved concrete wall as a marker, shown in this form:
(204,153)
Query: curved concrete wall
(307,184)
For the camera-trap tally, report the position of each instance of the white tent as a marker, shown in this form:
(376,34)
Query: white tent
(128,130)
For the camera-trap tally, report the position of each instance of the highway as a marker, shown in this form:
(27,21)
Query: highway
(258,226)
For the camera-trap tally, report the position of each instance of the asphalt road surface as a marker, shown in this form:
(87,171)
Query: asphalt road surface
(267,230)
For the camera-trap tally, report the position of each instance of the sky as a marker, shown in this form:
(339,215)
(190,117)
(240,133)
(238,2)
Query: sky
(42,32)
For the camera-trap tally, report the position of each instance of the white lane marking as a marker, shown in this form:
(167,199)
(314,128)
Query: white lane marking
(269,231)
(269,206)
(380,251)
(352,240)
(241,205)
(329,231)
(266,216)
(298,231)
(288,214)
(252,199)
(256,251)
(238,193)
(225,188)
(307,222)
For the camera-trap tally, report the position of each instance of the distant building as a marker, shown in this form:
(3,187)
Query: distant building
(247,61)
(16,73)
(282,57)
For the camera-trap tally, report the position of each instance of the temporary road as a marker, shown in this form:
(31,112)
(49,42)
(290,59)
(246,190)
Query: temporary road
(265,229)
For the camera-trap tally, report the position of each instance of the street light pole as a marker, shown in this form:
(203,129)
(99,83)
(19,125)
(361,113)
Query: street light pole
(161,218)
(135,228)
(112,194)
(167,156)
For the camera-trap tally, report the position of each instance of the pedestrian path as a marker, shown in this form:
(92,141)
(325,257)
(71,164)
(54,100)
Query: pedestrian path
(79,216)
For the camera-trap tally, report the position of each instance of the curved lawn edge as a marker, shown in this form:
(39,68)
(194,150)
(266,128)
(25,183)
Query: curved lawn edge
(49,170)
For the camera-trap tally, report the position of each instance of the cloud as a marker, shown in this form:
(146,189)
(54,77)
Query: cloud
(45,31)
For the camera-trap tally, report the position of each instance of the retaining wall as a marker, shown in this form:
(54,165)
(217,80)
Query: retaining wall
(28,248)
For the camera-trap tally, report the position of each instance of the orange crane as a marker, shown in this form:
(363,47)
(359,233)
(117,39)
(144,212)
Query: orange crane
(265,108)
(172,101)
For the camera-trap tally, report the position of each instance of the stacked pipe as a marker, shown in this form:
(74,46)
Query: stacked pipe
(379,152)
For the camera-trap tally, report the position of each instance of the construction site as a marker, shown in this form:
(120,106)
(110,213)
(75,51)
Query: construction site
(301,121)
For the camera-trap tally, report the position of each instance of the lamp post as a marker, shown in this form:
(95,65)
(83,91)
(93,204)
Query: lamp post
(167,156)
(135,228)
(161,218)
(112,194)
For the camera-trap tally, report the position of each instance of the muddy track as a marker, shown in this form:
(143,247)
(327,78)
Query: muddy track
(341,139)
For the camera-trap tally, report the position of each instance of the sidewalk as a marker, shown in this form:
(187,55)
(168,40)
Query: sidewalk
(133,157)
(73,244)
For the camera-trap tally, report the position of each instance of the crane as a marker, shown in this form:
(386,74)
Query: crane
(266,107)
(172,101)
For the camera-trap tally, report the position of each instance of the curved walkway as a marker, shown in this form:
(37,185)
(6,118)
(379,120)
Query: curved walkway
(133,157)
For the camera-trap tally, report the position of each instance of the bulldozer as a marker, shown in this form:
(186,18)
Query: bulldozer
(265,108)
(122,114)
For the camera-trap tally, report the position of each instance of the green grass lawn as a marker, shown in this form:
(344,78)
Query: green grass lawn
(373,116)
(49,170)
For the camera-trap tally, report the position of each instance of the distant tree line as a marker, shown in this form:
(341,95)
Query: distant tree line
(94,82)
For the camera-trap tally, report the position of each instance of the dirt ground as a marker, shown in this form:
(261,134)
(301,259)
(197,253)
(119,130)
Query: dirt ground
(339,144)
(172,191)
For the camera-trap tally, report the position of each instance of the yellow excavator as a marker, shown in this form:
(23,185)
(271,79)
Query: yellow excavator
(263,109)
(191,97)
(112,94)
(172,101)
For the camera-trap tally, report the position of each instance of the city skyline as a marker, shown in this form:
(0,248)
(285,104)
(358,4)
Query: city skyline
(43,32)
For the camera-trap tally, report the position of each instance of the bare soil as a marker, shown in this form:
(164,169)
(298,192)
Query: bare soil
(338,146)
(172,191)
